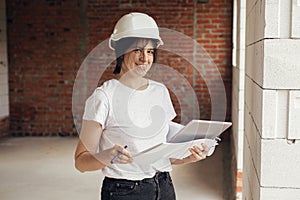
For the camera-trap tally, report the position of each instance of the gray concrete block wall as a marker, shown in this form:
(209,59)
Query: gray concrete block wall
(272,100)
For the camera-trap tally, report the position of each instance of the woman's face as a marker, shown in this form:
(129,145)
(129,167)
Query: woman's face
(139,58)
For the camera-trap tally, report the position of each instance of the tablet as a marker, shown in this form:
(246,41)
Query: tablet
(200,129)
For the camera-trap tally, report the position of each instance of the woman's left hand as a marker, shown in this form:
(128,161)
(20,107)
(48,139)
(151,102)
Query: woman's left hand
(197,154)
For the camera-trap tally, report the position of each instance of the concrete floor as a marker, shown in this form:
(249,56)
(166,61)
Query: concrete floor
(37,168)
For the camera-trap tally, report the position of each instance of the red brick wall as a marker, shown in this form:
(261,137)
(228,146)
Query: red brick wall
(44,39)
(4,126)
(49,39)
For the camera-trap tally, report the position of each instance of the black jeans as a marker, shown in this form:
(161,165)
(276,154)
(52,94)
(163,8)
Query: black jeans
(160,187)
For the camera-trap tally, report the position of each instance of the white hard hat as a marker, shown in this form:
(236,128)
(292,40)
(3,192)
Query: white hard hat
(135,25)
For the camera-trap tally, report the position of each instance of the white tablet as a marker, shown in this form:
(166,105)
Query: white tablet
(200,129)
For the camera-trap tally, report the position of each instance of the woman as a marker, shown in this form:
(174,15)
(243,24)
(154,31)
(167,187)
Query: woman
(127,115)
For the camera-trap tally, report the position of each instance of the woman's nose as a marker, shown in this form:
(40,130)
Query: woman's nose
(144,56)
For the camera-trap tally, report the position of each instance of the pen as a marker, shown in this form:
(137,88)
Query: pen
(117,156)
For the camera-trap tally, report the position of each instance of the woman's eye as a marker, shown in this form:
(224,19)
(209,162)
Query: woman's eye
(150,52)
(138,50)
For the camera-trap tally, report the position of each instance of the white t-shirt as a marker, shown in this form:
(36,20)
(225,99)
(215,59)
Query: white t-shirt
(136,118)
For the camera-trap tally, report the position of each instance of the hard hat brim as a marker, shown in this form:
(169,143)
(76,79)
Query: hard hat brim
(149,33)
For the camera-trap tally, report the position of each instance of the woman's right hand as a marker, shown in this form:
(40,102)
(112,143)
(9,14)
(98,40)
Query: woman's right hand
(108,155)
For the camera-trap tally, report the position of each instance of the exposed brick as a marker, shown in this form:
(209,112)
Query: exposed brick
(48,41)
(239,185)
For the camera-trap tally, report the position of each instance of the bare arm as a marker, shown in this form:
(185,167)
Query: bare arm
(86,156)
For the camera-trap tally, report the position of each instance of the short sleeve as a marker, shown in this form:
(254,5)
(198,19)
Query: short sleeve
(171,114)
(97,107)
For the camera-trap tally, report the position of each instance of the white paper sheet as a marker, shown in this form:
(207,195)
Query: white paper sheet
(170,150)
(195,132)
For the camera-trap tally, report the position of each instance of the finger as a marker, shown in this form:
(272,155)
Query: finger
(123,160)
(118,148)
(122,150)
(117,160)
(205,147)
(195,152)
(202,154)
(196,155)
(197,149)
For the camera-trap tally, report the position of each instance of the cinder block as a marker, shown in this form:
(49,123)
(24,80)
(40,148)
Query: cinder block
(280,193)
(281,113)
(269,114)
(295,19)
(272,18)
(274,122)
(280,163)
(274,64)
(281,64)
(253,100)
(251,181)
(247,185)
(255,22)
(254,140)
(285,19)
(268,108)
(277,19)
(250,5)
(255,62)
(294,115)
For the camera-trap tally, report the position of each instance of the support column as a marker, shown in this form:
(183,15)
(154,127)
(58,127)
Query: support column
(238,86)
(4,104)
(272,100)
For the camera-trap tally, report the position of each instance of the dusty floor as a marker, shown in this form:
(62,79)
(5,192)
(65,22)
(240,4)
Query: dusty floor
(36,168)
